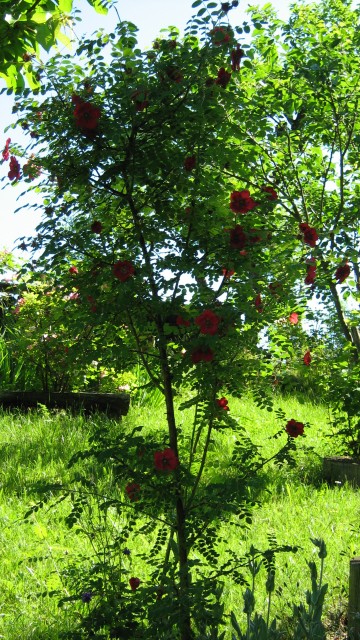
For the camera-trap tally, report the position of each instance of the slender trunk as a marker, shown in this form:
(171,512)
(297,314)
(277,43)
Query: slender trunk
(340,314)
(184,575)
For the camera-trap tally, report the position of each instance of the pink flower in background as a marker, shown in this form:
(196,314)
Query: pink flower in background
(73,271)
(293,318)
(6,152)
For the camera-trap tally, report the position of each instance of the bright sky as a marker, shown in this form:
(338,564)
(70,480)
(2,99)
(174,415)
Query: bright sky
(150,16)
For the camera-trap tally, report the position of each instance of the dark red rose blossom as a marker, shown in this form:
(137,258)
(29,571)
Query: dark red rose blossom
(272,194)
(294,428)
(182,322)
(238,237)
(275,288)
(236,56)
(73,271)
(223,78)
(75,99)
(310,235)
(92,303)
(133,489)
(140,99)
(174,74)
(6,152)
(96,227)
(227,273)
(202,354)
(342,272)
(123,270)
(15,171)
(258,303)
(293,318)
(307,358)
(310,274)
(254,237)
(134,583)
(166,460)
(208,322)
(189,163)
(223,403)
(241,201)
(85,114)
(219,36)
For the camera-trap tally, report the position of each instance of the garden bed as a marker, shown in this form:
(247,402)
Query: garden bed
(114,404)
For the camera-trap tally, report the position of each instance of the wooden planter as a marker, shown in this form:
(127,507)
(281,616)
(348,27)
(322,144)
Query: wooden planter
(340,469)
(114,404)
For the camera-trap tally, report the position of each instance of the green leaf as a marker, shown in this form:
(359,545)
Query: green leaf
(99,6)
(65,5)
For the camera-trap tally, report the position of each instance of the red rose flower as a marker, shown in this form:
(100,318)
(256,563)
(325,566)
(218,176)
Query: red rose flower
(96,227)
(85,114)
(254,237)
(208,322)
(223,403)
(182,322)
(14,173)
(166,460)
(275,288)
(133,489)
(238,237)
(223,78)
(241,201)
(140,100)
(293,318)
(258,303)
(6,152)
(189,163)
(236,56)
(123,270)
(342,272)
(134,583)
(73,270)
(310,235)
(219,36)
(272,194)
(307,358)
(202,354)
(310,274)
(227,273)
(174,74)
(294,428)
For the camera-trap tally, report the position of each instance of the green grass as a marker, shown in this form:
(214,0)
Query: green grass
(296,506)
